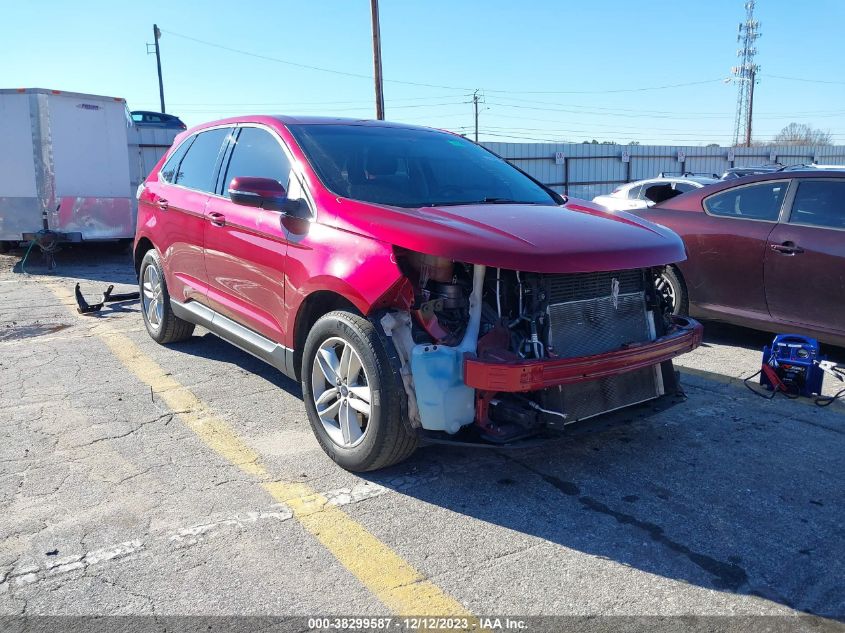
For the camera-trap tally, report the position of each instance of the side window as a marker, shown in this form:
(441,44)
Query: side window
(634,192)
(658,192)
(819,203)
(751,202)
(259,155)
(168,172)
(197,168)
(683,187)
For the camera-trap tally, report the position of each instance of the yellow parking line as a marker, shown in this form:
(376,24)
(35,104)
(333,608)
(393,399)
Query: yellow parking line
(393,580)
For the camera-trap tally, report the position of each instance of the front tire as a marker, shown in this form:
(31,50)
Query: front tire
(162,325)
(671,287)
(353,394)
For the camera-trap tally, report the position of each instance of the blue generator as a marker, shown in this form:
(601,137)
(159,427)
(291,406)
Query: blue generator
(794,361)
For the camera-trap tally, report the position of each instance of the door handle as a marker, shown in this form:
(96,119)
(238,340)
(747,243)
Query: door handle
(217,219)
(787,248)
(162,204)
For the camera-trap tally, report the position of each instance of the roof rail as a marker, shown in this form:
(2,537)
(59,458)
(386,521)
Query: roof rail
(685,174)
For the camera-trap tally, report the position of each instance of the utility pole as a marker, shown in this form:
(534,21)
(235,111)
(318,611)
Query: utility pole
(156,38)
(475,99)
(750,110)
(377,60)
(745,75)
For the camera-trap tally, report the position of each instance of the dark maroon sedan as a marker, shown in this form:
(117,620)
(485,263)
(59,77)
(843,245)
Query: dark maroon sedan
(765,251)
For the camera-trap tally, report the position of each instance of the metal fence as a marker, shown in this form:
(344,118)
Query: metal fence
(587,170)
(146,147)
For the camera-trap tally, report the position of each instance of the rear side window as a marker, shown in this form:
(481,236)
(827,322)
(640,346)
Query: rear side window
(197,168)
(634,192)
(761,201)
(819,203)
(257,154)
(684,187)
(168,172)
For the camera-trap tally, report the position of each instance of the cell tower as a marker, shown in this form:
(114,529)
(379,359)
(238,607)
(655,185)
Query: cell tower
(745,75)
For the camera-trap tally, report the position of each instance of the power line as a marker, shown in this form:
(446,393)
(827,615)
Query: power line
(306,66)
(320,103)
(212,109)
(427,85)
(804,79)
(624,132)
(636,113)
(601,92)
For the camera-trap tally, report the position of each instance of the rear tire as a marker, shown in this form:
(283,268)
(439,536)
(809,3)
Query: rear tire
(162,325)
(670,285)
(349,372)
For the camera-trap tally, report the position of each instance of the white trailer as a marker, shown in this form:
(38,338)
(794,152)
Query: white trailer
(64,160)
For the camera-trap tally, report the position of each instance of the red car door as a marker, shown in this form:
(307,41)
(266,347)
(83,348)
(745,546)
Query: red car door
(805,258)
(726,245)
(181,193)
(245,246)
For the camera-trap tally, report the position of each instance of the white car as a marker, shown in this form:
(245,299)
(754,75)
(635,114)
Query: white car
(644,193)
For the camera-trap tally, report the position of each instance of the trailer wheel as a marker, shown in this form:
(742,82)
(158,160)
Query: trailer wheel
(162,325)
(353,394)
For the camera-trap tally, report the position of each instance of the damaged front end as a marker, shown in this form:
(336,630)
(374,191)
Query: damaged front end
(505,354)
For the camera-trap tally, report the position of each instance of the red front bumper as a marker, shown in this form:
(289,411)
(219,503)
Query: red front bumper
(530,375)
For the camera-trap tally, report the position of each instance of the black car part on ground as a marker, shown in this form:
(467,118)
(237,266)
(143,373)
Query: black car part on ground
(83,307)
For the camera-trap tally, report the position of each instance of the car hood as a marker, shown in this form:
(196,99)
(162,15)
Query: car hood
(576,237)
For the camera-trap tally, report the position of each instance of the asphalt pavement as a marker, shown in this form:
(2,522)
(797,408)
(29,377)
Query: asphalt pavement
(137,479)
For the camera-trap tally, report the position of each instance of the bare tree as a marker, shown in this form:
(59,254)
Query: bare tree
(802,134)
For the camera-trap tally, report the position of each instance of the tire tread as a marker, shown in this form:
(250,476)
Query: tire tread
(399,440)
(174,329)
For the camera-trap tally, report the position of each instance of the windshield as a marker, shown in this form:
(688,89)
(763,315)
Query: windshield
(412,167)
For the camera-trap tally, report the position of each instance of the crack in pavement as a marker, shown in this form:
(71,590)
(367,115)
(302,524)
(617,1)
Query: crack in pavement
(728,575)
(182,538)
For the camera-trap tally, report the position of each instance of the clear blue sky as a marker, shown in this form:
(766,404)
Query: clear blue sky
(544,65)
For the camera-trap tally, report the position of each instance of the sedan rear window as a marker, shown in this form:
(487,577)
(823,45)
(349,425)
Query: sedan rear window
(760,201)
(410,167)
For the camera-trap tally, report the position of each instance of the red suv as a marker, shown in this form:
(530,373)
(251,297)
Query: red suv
(419,286)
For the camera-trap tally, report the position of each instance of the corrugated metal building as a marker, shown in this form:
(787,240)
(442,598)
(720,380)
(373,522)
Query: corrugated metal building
(586,170)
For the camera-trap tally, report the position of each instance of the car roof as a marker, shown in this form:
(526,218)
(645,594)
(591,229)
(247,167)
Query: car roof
(777,175)
(766,168)
(284,119)
(325,120)
(701,180)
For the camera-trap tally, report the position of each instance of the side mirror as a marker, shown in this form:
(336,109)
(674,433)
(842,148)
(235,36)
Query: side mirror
(265,193)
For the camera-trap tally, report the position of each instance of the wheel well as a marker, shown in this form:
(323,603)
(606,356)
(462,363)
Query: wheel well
(141,249)
(315,306)
(676,269)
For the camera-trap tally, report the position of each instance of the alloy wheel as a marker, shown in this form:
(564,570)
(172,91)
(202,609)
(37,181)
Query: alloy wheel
(341,391)
(152,297)
(666,290)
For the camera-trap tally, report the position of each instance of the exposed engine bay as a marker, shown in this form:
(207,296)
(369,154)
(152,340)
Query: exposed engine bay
(513,319)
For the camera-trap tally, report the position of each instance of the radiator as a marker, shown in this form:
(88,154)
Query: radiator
(594,313)
(584,400)
(586,317)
